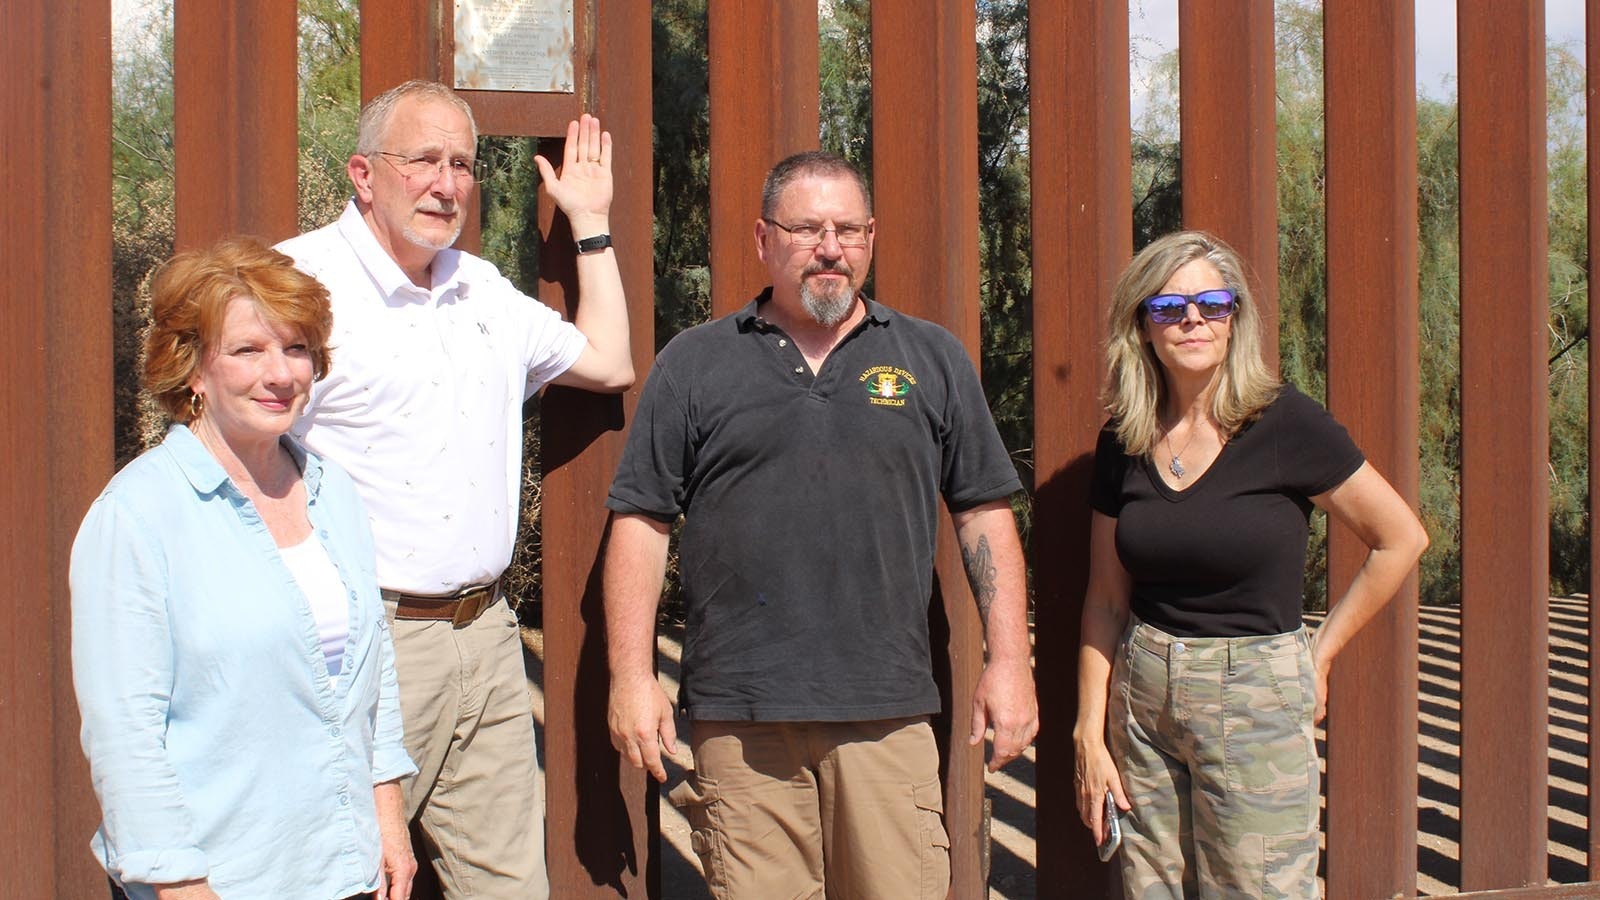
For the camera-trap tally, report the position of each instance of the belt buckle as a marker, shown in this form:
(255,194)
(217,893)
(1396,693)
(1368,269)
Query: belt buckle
(471,606)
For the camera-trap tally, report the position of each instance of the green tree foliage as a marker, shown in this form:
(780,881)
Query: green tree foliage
(1005,234)
(681,94)
(141,207)
(1302,236)
(844,68)
(844,63)
(1439,347)
(1156,153)
(1302,265)
(143,170)
(1302,206)
(1569,321)
(1439,217)
(329,99)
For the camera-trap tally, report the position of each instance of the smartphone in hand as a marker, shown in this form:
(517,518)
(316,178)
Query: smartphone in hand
(1113,829)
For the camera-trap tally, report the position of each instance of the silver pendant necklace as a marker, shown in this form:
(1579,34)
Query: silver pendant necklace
(1176,465)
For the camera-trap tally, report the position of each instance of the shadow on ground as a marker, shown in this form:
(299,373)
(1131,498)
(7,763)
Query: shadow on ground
(1013,872)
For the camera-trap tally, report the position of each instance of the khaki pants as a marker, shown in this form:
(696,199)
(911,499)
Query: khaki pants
(478,794)
(850,810)
(1214,740)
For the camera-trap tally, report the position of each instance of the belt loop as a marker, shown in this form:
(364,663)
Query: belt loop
(1230,657)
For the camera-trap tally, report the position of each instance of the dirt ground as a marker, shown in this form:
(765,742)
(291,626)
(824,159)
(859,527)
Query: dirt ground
(1013,871)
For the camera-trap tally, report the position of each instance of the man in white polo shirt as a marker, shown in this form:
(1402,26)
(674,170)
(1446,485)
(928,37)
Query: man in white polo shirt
(435,352)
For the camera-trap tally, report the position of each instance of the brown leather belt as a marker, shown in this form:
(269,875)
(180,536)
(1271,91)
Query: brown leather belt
(460,608)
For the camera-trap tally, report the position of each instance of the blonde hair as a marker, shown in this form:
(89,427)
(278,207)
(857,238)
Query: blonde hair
(189,299)
(1135,386)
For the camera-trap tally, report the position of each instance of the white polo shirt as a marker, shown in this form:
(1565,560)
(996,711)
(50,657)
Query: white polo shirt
(423,403)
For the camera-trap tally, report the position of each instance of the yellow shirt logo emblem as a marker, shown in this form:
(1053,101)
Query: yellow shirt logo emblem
(887,385)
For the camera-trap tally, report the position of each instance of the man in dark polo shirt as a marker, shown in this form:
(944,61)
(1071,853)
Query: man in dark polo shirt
(806,440)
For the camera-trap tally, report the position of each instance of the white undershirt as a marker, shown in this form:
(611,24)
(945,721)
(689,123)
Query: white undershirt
(319,580)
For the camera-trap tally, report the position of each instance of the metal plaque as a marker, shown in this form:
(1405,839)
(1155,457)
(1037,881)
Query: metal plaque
(514,45)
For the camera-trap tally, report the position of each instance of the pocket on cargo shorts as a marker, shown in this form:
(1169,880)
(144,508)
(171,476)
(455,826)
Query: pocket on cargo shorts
(1267,736)
(1289,866)
(934,843)
(700,802)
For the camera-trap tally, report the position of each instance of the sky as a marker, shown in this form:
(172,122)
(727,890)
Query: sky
(1153,25)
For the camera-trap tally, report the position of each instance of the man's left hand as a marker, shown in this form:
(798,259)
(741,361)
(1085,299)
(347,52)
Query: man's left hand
(1005,701)
(583,188)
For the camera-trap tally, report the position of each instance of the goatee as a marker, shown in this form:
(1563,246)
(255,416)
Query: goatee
(828,307)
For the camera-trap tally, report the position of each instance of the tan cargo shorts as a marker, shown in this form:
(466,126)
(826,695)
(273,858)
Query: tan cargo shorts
(810,809)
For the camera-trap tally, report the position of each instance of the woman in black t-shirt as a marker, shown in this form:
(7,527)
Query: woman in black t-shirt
(1198,685)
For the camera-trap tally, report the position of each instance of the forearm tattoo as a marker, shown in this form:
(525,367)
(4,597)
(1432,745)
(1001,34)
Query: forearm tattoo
(981,571)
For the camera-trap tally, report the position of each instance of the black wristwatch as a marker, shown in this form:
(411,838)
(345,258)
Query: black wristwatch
(591,244)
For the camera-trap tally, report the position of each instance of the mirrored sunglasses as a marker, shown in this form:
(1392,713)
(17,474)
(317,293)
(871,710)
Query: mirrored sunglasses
(1170,309)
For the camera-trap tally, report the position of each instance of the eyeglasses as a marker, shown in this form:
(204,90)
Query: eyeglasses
(809,235)
(429,166)
(1170,309)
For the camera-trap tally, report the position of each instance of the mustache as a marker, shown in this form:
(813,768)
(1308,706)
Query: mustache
(829,267)
(444,207)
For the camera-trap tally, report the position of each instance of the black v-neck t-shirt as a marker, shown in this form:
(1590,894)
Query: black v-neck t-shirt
(1226,556)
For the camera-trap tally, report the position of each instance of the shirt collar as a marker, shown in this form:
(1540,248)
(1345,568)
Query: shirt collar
(207,476)
(748,319)
(388,275)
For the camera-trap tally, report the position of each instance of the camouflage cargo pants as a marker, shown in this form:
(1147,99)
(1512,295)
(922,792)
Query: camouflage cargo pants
(1217,753)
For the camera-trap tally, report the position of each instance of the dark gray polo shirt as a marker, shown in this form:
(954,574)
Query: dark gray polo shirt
(810,508)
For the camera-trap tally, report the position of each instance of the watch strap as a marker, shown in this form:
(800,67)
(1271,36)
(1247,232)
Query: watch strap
(591,244)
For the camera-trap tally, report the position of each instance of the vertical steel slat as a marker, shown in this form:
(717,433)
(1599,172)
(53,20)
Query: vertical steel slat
(399,41)
(1082,237)
(1373,375)
(925,175)
(234,75)
(764,102)
(56,405)
(602,815)
(1228,122)
(1505,445)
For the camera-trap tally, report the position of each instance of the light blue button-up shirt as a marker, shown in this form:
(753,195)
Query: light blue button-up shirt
(219,746)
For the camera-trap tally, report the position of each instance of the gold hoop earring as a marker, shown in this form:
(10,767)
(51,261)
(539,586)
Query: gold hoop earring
(197,404)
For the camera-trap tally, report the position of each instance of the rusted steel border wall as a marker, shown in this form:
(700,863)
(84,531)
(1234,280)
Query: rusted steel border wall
(925,192)
(1228,117)
(1504,446)
(763,84)
(234,116)
(55,421)
(1372,387)
(235,73)
(602,817)
(1082,238)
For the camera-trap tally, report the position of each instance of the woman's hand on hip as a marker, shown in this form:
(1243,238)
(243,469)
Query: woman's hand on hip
(1321,666)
